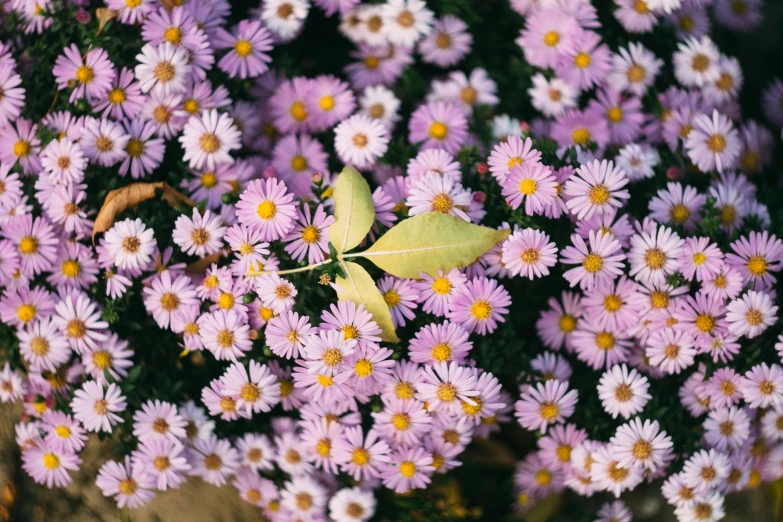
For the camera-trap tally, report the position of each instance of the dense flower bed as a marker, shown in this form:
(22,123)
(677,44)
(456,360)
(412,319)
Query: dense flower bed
(342,255)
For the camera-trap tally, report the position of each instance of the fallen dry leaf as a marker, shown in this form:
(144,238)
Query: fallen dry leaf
(103,15)
(122,198)
(200,265)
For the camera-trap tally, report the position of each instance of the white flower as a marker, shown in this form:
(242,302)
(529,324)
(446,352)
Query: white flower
(359,141)
(208,138)
(165,68)
(130,243)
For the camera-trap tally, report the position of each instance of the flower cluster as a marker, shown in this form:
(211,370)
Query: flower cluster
(204,332)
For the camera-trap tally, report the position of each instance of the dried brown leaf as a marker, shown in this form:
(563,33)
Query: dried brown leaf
(200,265)
(104,14)
(131,195)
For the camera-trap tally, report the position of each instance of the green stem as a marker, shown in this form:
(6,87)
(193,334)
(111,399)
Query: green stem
(123,515)
(292,270)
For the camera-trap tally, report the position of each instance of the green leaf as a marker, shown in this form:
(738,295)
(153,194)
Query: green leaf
(358,286)
(354,211)
(430,242)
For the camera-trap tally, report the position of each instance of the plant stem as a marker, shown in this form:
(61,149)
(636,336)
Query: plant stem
(123,515)
(291,270)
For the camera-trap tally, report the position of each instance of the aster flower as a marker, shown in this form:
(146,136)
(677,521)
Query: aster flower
(124,100)
(129,487)
(35,242)
(727,428)
(64,161)
(352,505)
(353,320)
(556,325)
(528,252)
(50,466)
(479,305)
(641,445)
(586,62)
(579,128)
(756,257)
(435,293)
(208,139)
(547,404)
(43,346)
(447,43)
(255,389)
(97,408)
(214,460)
(360,140)
(287,333)
(438,125)
(225,334)
(379,103)
(167,295)
(62,432)
(623,392)
(402,421)
(409,469)
(19,143)
(268,207)
(104,141)
(547,34)
(634,69)
(144,152)
(92,75)
(762,386)
(751,314)
(199,235)
(163,68)
(158,420)
(696,62)
(247,57)
(707,507)
(13,95)
(284,18)
(438,193)
(297,159)
(330,101)
(113,357)
(637,161)
(532,182)
(607,474)
(161,461)
(303,496)
(552,97)
(714,143)
(595,189)
(670,350)
(705,470)
(78,319)
(655,254)
(400,296)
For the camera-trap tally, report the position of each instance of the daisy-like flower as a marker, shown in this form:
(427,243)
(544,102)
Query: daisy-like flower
(613,304)
(655,254)
(552,97)
(529,253)
(479,305)
(762,386)
(292,457)
(607,474)
(166,295)
(446,386)
(225,334)
(360,140)
(255,389)
(408,469)
(361,456)
(11,385)
(275,292)
(677,205)
(547,404)
(641,445)
(131,13)
(319,436)
(287,334)
(257,451)
(163,461)
(696,62)
(623,392)
(556,325)
(43,346)
(104,141)
(637,161)
(163,68)
(406,21)
(297,159)
(488,401)
(512,152)
(248,248)
(447,43)
(48,465)
(714,143)
(331,101)
(532,182)
(62,432)
(671,350)
(124,100)
(586,63)
(756,257)
(727,428)
(304,497)
(35,242)
(435,293)
(129,487)
(751,314)
(600,263)
(557,446)
(199,235)
(64,161)
(19,143)
(402,421)
(92,76)
(144,152)
(13,95)
(352,505)
(439,193)
(700,259)
(634,69)
(158,420)
(97,408)
(705,470)
(596,188)
(268,207)
(379,103)
(78,318)
(353,320)
(401,297)
(113,356)
(284,18)
(438,125)
(207,140)
(707,507)
(600,347)
(249,45)
(327,351)
(436,343)
(547,34)
(214,460)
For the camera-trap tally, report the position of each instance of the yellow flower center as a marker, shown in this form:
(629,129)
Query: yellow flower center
(438,130)
(705,323)
(404,390)
(636,73)
(441,286)
(543,477)
(754,317)
(22,149)
(567,323)
(51,461)
(527,186)
(612,303)
(169,301)
(593,263)
(549,411)
(757,266)
(297,111)
(164,72)
(28,245)
(700,62)
(443,41)
(655,258)
(716,143)
(102,359)
(407,469)
(210,143)
(191,106)
(117,96)
(243,48)
(326,103)
(392,298)
(551,39)
(363,368)
(26,312)
(401,421)
(481,310)
(226,301)
(266,210)
(85,74)
(615,114)
(299,163)
(76,329)
(582,60)
(173,34)
(604,340)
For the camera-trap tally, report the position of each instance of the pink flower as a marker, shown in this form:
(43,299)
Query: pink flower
(479,305)
(547,404)
(438,125)
(595,189)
